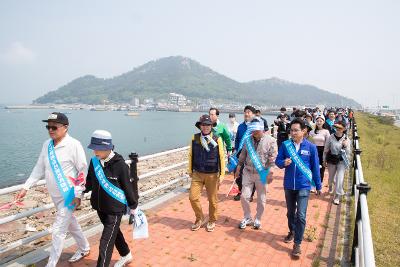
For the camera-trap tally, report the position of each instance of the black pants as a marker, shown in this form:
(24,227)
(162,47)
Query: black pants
(111,235)
(320,156)
(239,182)
(281,137)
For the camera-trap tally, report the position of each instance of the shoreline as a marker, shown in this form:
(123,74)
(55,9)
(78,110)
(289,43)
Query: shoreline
(126,108)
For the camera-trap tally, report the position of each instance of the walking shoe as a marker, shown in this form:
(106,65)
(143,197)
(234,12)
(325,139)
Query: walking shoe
(245,222)
(330,190)
(237,197)
(79,254)
(197,224)
(336,201)
(210,226)
(124,260)
(289,237)
(257,224)
(296,252)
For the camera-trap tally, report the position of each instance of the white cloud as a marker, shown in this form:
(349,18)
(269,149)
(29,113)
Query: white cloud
(18,54)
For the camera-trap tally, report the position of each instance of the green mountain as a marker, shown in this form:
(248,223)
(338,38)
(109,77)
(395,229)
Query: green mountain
(182,75)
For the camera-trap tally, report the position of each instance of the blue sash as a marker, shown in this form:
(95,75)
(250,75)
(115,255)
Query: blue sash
(110,189)
(298,161)
(233,159)
(63,184)
(256,161)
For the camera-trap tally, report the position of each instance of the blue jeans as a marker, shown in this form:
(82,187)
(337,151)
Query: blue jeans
(296,203)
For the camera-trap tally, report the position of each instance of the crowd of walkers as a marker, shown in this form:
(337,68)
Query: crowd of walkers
(302,143)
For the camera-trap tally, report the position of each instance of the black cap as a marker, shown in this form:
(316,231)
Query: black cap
(57,117)
(205,119)
(251,108)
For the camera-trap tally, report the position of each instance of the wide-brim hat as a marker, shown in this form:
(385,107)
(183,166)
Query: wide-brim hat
(205,119)
(101,141)
(57,117)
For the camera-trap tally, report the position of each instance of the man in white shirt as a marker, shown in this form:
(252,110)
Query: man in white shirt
(70,157)
(232,127)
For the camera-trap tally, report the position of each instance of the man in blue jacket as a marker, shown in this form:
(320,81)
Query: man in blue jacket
(249,114)
(299,157)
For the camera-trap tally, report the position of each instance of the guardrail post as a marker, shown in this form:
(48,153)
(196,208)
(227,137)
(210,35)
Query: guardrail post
(357,151)
(133,166)
(363,188)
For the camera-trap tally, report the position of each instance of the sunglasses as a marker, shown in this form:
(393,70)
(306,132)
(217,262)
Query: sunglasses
(53,128)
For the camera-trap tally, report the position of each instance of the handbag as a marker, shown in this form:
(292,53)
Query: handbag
(333,159)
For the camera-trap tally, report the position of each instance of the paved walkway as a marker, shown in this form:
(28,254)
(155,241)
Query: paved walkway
(172,243)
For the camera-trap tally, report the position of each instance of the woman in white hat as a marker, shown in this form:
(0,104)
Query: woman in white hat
(112,193)
(336,151)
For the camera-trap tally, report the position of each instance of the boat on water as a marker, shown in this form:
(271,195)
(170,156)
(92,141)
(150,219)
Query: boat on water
(132,114)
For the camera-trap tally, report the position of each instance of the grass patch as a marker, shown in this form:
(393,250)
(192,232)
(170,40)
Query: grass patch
(316,262)
(192,257)
(380,143)
(310,234)
(316,215)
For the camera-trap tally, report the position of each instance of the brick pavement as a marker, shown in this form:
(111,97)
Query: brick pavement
(172,243)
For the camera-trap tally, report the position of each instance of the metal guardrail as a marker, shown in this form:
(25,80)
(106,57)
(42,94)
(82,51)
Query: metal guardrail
(132,162)
(362,247)
(133,156)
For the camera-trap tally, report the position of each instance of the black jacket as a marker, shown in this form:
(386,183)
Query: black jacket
(266,128)
(117,172)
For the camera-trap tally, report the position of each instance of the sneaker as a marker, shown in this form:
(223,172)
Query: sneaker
(296,252)
(336,201)
(257,224)
(79,254)
(237,197)
(245,222)
(330,190)
(124,260)
(197,224)
(210,226)
(289,238)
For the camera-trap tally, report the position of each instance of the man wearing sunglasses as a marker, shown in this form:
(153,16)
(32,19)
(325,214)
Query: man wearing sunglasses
(62,162)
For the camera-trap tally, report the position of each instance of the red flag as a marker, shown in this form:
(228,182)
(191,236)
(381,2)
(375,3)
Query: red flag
(233,189)
(78,180)
(8,206)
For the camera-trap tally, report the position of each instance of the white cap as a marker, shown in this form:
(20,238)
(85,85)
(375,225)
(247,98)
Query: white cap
(102,134)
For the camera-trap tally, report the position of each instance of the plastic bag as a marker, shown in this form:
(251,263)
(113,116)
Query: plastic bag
(140,225)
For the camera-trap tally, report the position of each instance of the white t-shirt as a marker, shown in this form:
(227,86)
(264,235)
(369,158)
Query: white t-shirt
(70,155)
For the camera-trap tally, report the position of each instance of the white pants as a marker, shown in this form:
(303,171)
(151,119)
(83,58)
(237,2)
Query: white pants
(250,180)
(338,171)
(65,222)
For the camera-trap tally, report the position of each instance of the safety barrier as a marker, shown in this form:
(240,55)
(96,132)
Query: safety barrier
(362,247)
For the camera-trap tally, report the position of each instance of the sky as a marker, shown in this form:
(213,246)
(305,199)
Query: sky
(347,47)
